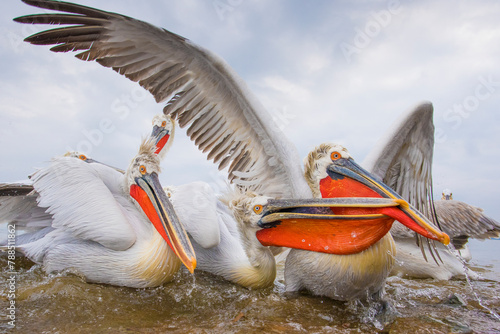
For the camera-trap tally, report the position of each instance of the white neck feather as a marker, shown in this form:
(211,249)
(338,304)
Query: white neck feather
(262,271)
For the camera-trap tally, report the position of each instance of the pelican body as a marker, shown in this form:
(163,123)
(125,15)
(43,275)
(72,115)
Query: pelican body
(236,255)
(358,263)
(111,227)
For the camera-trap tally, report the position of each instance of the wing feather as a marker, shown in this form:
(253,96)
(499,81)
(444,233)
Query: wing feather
(403,159)
(82,204)
(18,204)
(200,89)
(461,219)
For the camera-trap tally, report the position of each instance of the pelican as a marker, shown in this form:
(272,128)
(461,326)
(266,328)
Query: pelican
(238,256)
(447,195)
(403,161)
(366,250)
(18,200)
(113,228)
(202,93)
(463,221)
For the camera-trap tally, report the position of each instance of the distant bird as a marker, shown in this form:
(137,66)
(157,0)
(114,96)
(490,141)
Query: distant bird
(223,118)
(447,194)
(462,221)
(403,161)
(111,227)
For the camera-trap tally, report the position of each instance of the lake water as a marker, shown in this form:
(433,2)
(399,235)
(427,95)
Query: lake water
(64,303)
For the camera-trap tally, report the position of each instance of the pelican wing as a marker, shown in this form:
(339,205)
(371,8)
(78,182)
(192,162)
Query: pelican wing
(403,159)
(15,189)
(224,120)
(459,219)
(81,204)
(24,212)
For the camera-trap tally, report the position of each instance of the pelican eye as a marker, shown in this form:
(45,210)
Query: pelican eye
(164,123)
(82,157)
(335,156)
(258,209)
(142,169)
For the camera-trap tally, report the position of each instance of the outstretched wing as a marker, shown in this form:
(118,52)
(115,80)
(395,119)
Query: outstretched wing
(403,159)
(224,120)
(15,189)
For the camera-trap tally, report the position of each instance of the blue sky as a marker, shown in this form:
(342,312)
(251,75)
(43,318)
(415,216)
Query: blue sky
(338,71)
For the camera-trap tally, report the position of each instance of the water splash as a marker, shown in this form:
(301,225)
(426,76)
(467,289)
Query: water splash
(454,251)
(374,311)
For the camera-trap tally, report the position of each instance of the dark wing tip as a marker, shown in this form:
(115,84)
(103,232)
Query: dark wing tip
(69,8)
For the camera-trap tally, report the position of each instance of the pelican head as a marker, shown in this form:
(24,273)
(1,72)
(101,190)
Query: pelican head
(248,209)
(141,181)
(362,209)
(163,133)
(317,162)
(447,195)
(78,155)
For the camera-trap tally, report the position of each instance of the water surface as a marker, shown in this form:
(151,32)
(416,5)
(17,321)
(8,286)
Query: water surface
(64,303)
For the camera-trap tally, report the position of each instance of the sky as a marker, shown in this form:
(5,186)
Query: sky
(328,71)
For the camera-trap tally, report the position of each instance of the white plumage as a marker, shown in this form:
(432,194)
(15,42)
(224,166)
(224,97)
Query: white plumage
(92,224)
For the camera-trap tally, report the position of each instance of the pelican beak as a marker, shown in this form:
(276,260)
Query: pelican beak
(86,159)
(90,160)
(162,136)
(311,225)
(150,195)
(347,179)
(355,211)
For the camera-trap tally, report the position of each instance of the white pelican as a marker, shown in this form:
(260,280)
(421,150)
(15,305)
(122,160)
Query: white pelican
(99,221)
(18,200)
(238,256)
(163,132)
(463,221)
(362,255)
(203,93)
(222,232)
(403,161)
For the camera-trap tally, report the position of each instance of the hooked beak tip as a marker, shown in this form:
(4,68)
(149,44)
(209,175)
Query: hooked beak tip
(192,265)
(402,203)
(445,239)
